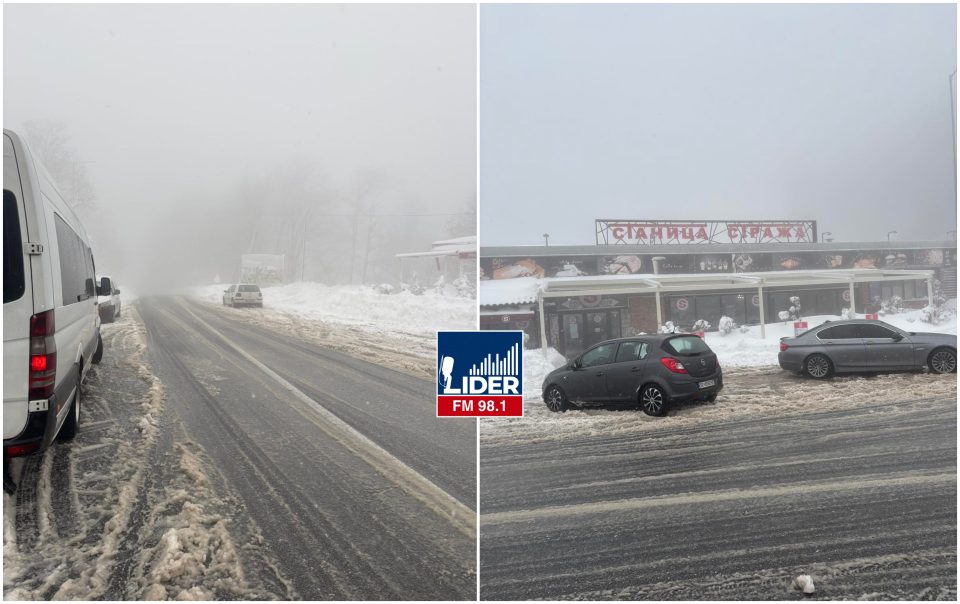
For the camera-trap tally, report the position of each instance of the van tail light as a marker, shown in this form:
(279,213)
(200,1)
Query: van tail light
(23,449)
(673,365)
(784,347)
(43,355)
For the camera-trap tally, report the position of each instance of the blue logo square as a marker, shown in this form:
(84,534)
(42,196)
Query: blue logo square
(480,362)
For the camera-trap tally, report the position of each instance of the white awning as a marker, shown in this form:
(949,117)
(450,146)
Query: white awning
(522,290)
(633,284)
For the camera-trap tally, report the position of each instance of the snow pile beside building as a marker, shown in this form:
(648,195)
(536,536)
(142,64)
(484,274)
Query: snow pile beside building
(536,366)
(403,312)
(748,349)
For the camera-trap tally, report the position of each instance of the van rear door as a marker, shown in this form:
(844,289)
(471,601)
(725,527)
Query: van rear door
(17,299)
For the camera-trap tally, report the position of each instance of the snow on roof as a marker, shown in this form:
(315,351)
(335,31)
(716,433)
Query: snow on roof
(468,240)
(460,246)
(522,290)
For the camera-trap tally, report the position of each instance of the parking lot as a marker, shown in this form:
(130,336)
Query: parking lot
(852,481)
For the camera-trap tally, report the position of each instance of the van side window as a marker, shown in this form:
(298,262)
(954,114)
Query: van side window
(13,272)
(76,277)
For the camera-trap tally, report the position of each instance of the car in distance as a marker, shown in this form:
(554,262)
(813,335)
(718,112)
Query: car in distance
(860,345)
(51,328)
(108,305)
(243,294)
(649,371)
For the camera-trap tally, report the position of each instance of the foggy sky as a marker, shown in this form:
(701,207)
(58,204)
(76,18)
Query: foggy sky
(176,105)
(839,114)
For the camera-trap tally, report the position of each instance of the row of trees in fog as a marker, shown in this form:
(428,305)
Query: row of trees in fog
(332,228)
(347,233)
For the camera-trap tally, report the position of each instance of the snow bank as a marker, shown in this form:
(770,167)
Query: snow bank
(363,306)
(536,366)
(738,349)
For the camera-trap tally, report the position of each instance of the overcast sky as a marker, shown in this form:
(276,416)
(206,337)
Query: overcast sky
(169,102)
(835,113)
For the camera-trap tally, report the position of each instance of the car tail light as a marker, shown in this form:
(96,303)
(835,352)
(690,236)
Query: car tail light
(673,365)
(43,355)
(783,347)
(18,450)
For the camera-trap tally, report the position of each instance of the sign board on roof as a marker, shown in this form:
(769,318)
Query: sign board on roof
(653,232)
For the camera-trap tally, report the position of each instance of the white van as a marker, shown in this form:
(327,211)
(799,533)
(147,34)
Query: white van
(51,328)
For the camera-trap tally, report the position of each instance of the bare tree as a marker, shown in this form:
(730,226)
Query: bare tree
(51,144)
(369,196)
(464,222)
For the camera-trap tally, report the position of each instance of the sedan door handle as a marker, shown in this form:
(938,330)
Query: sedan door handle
(599,373)
(634,369)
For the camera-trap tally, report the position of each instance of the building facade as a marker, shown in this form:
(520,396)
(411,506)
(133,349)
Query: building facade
(576,323)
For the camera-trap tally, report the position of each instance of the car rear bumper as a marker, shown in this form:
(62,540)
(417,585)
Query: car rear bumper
(789,362)
(689,389)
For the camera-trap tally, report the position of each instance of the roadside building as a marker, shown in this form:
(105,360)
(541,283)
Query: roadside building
(450,262)
(641,274)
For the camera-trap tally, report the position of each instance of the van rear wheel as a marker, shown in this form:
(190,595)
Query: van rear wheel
(72,424)
(98,354)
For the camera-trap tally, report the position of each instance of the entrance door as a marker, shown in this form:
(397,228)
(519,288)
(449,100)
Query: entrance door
(571,336)
(601,325)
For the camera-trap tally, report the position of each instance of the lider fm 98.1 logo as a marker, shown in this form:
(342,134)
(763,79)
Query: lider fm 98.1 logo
(479,374)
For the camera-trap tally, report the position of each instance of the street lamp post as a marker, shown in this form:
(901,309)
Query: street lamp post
(891,233)
(546,239)
(823,237)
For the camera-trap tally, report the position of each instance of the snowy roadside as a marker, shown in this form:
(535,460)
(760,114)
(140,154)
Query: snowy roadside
(121,512)
(754,384)
(401,313)
(394,330)
(748,349)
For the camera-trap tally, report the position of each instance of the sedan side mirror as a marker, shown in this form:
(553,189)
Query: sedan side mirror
(897,337)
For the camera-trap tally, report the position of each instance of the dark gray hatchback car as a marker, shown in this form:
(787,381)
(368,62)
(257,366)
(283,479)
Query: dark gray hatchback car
(649,371)
(864,346)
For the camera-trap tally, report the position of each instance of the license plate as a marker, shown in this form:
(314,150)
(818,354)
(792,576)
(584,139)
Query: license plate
(707,384)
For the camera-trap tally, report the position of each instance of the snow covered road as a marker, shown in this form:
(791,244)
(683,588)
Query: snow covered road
(131,509)
(358,490)
(852,481)
(221,456)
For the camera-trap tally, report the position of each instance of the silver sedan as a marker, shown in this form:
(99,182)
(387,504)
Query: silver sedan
(861,346)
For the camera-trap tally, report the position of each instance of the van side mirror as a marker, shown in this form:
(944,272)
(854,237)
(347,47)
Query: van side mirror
(105,287)
(116,291)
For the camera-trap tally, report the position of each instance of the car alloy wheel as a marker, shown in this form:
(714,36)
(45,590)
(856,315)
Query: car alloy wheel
(818,366)
(554,399)
(651,401)
(943,361)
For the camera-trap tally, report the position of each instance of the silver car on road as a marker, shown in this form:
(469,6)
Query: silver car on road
(863,346)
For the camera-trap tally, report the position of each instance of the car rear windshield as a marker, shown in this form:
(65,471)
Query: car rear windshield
(13,274)
(249,288)
(686,345)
